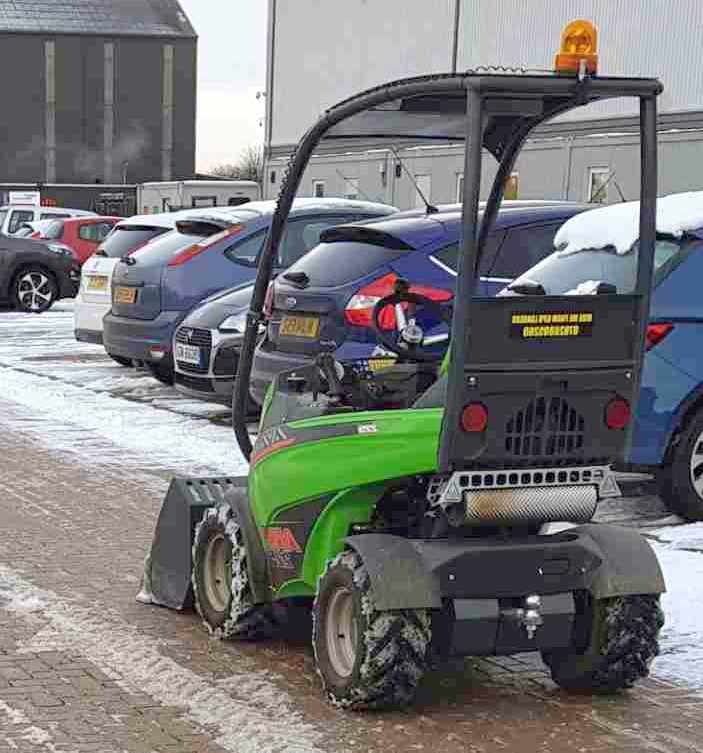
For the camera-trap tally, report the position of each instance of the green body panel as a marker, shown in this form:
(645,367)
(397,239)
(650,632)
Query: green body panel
(355,468)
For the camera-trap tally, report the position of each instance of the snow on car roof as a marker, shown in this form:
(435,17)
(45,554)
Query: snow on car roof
(617,225)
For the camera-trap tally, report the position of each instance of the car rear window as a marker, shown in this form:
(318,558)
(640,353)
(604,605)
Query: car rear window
(562,273)
(124,239)
(163,249)
(332,264)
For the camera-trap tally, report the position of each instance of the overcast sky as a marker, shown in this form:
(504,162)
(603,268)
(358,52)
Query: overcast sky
(231,69)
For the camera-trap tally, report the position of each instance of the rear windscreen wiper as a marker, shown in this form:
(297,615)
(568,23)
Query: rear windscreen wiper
(300,279)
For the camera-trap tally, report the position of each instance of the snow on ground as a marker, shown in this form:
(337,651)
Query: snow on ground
(617,225)
(73,399)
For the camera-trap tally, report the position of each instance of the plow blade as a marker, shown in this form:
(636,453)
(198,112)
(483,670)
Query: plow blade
(168,566)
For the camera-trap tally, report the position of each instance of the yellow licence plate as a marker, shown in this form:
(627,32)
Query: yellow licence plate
(97,283)
(300,326)
(125,295)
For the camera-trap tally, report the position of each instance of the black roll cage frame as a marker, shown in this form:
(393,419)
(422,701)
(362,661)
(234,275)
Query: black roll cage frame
(497,112)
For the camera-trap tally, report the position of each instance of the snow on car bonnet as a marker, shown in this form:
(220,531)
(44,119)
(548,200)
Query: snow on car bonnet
(617,225)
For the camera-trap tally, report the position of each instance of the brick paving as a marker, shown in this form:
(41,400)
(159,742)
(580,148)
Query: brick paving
(83,667)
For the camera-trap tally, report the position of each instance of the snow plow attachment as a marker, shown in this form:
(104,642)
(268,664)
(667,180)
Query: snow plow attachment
(168,566)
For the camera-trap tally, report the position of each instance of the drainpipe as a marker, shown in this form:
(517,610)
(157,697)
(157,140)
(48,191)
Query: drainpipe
(455,46)
(566,183)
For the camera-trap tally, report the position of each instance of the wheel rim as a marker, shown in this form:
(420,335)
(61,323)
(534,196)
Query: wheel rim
(696,465)
(34,291)
(218,572)
(341,632)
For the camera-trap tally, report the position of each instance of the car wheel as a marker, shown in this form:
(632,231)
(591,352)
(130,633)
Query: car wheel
(163,372)
(681,482)
(119,359)
(34,289)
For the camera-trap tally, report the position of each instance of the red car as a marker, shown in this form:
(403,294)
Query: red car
(81,235)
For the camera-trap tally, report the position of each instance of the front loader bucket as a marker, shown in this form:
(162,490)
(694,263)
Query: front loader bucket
(167,567)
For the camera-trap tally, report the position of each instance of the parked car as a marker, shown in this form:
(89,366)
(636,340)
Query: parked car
(668,421)
(13,216)
(95,294)
(207,344)
(154,289)
(338,283)
(35,274)
(82,235)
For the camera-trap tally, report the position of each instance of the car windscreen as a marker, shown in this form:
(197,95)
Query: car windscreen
(162,249)
(562,273)
(50,230)
(124,239)
(329,265)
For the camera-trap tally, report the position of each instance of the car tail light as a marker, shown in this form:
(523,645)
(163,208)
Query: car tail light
(617,413)
(474,418)
(359,310)
(198,248)
(656,333)
(268,301)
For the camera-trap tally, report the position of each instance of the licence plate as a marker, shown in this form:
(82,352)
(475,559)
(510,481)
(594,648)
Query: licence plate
(97,283)
(188,354)
(125,295)
(300,326)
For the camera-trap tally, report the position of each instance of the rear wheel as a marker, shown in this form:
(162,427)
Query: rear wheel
(622,643)
(119,359)
(367,658)
(34,289)
(681,483)
(221,579)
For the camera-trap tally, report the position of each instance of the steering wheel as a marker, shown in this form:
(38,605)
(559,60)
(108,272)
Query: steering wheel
(408,339)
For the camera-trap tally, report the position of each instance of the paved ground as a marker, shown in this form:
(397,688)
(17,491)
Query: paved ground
(83,667)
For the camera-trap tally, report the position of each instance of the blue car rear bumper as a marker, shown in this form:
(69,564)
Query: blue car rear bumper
(135,338)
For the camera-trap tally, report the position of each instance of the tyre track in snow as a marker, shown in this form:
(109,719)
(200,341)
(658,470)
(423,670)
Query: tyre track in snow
(248,713)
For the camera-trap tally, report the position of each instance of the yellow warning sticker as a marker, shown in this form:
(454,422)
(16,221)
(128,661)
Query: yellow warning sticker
(551,324)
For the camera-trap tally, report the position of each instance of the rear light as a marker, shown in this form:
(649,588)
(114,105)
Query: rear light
(268,301)
(617,413)
(198,248)
(656,333)
(474,418)
(359,310)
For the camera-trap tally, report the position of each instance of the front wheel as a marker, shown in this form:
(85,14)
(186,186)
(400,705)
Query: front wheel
(220,579)
(681,482)
(163,372)
(367,658)
(34,289)
(623,640)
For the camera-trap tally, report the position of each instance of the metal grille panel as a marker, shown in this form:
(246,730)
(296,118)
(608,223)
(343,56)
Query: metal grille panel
(547,427)
(199,338)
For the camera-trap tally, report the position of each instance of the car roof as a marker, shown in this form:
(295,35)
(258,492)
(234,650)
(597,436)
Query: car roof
(417,229)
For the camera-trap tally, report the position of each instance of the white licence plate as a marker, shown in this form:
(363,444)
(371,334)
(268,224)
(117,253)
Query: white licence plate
(188,354)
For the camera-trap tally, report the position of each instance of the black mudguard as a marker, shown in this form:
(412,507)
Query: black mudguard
(605,560)
(168,565)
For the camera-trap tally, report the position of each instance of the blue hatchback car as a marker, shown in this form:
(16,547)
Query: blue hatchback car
(668,420)
(326,299)
(154,288)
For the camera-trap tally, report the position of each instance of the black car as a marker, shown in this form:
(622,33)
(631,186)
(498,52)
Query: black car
(34,274)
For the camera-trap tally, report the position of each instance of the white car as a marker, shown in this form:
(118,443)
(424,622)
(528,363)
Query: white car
(94,298)
(14,216)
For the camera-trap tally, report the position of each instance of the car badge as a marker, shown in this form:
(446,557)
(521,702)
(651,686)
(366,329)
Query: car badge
(290,302)
(187,333)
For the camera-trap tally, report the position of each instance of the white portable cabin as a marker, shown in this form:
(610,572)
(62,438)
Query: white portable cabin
(167,196)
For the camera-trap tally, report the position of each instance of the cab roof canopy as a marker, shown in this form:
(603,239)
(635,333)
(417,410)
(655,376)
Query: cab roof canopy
(433,108)
(151,18)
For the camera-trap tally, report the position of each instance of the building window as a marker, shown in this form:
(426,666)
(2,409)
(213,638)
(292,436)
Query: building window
(351,188)
(424,183)
(318,189)
(597,185)
(460,187)
(512,187)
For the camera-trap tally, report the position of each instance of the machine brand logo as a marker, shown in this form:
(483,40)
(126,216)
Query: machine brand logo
(291,302)
(282,540)
(367,429)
